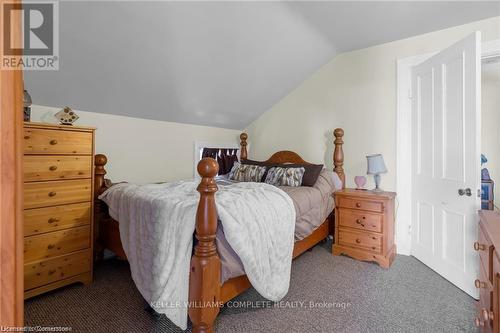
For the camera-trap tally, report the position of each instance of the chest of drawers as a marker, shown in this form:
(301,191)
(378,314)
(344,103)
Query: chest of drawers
(58,206)
(364,225)
(488,281)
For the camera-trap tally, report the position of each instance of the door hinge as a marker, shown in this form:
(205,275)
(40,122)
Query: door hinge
(409,229)
(479,193)
(410,96)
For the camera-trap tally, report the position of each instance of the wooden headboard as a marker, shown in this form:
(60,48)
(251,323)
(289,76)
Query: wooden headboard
(280,157)
(287,156)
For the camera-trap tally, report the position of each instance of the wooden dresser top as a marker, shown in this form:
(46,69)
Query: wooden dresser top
(491,222)
(29,124)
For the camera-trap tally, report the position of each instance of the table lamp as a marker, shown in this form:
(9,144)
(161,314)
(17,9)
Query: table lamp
(376,166)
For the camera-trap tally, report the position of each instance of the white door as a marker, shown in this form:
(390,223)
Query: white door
(446,118)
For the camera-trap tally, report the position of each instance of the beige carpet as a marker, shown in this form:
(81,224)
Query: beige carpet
(346,295)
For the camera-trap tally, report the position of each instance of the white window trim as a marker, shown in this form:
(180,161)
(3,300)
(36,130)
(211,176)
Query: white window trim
(403,141)
(198,145)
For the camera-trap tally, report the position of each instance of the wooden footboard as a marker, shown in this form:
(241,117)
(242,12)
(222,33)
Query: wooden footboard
(206,293)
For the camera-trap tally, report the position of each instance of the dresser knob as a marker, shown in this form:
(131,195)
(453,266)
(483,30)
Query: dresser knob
(51,194)
(486,314)
(479,284)
(53,168)
(358,240)
(358,204)
(53,142)
(52,271)
(53,219)
(478,322)
(479,247)
(51,246)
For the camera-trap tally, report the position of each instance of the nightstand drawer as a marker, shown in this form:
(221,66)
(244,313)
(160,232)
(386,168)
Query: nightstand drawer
(485,249)
(374,206)
(360,220)
(366,241)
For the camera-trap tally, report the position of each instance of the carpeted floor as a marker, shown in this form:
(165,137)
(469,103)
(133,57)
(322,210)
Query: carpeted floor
(346,295)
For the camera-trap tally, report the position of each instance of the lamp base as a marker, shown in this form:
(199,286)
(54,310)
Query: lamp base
(377,188)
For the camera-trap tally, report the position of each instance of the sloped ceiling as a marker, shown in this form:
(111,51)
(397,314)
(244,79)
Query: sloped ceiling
(217,63)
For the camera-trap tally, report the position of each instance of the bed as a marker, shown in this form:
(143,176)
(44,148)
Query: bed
(207,283)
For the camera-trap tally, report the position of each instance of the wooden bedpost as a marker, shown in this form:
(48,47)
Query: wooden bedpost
(243,145)
(338,154)
(100,161)
(99,172)
(204,279)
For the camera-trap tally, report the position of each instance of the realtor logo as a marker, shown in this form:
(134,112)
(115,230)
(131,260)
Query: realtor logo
(38,47)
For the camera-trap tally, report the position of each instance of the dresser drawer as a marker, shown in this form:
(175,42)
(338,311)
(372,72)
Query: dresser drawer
(56,243)
(374,206)
(485,287)
(55,167)
(47,219)
(51,141)
(485,249)
(47,271)
(360,220)
(366,241)
(52,193)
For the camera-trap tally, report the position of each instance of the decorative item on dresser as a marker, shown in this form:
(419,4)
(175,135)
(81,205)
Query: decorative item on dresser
(364,225)
(58,220)
(488,283)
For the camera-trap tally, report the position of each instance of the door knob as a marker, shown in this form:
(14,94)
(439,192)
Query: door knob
(466,191)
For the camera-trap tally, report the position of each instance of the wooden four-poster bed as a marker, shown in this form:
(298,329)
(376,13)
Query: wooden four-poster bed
(205,285)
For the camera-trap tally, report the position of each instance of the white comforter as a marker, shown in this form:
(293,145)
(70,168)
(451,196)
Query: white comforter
(157,223)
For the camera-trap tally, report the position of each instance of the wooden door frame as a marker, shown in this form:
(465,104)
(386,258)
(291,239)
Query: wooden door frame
(11,200)
(403,142)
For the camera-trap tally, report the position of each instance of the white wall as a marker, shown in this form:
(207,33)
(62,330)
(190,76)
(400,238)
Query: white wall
(144,151)
(356,91)
(491,122)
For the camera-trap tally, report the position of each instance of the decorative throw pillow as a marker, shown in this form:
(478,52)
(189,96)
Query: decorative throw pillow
(281,176)
(311,173)
(247,172)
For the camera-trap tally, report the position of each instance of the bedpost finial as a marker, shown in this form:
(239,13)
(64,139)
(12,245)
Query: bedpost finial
(243,146)
(208,167)
(338,154)
(100,160)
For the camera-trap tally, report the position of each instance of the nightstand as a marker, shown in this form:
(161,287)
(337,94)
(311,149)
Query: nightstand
(364,225)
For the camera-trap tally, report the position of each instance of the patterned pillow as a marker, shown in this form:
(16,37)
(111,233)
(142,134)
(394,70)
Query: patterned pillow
(279,176)
(247,172)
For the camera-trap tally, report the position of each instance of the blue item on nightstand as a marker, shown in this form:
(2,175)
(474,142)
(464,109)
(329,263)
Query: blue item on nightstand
(487,197)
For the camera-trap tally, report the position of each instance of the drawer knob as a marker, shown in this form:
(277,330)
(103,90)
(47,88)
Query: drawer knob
(358,204)
(358,221)
(53,168)
(53,142)
(478,322)
(479,284)
(52,271)
(358,240)
(51,246)
(479,247)
(51,194)
(487,315)
(53,219)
